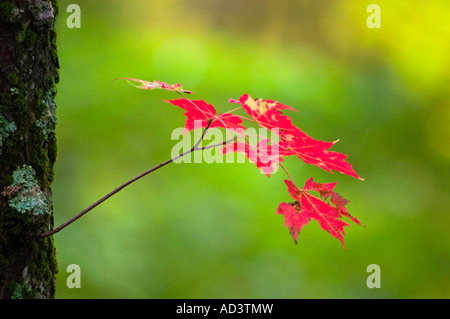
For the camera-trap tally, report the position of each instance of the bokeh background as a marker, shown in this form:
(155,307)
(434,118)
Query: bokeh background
(210,230)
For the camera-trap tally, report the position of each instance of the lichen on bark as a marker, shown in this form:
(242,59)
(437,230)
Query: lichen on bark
(24,194)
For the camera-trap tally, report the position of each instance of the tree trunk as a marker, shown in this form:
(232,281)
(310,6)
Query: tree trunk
(28,74)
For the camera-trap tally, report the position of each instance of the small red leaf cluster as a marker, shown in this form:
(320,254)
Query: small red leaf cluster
(292,142)
(307,207)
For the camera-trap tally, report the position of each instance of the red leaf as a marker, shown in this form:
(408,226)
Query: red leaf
(307,206)
(316,152)
(146,85)
(326,190)
(292,218)
(266,112)
(293,141)
(263,155)
(199,110)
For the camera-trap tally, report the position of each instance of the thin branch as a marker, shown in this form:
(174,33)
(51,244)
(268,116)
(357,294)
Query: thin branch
(195,148)
(219,144)
(118,189)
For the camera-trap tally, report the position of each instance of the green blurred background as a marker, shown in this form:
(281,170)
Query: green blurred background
(210,230)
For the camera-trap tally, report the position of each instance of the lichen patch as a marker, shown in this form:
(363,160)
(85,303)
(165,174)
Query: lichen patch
(6,128)
(25,194)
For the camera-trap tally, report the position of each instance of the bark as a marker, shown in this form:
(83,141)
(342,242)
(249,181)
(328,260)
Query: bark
(28,75)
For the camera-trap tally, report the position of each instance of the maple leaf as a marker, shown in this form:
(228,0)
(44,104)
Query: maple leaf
(146,85)
(266,112)
(316,152)
(307,207)
(263,155)
(199,110)
(293,141)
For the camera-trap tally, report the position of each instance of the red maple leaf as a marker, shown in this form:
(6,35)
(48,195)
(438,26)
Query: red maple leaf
(316,152)
(293,141)
(146,85)
(263,155)
(307,207)
(199,110)
(266,112)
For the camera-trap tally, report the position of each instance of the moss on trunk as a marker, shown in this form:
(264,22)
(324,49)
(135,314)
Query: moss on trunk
(28,75)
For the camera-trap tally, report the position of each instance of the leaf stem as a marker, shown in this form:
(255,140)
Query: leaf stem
(285,170)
